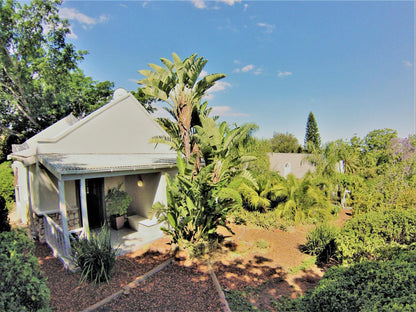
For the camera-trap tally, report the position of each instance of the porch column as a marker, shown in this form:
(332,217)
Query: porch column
(62,210)
(160,195)
(84,211)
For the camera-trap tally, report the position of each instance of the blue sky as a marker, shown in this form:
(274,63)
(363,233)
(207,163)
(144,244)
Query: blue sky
(351,63)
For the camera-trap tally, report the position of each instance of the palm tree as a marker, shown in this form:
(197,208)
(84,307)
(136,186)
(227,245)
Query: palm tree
(302,200)
(179,84)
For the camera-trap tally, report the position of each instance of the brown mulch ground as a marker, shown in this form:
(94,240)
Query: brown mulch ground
(243,265)
(176,288)
(68,294)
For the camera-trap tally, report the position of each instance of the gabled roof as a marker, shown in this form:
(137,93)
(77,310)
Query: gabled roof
(113,137)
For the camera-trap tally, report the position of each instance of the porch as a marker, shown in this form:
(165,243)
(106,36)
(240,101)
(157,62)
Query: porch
(125,240)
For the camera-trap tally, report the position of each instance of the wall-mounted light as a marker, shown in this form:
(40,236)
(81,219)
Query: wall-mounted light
(140,181)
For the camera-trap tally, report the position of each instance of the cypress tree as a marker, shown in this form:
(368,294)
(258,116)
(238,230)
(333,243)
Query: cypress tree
(312,133)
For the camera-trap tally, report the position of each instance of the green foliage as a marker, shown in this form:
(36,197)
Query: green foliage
(367,286)
(312,137)
(179,85)
(239,301)
(4,216)
(197,205)
(95,257)
(40,81)
(22,285)
(321,242)
(6,184)
(285,143)
(302,200)
(199,200)
(117,201)
(145,100)
(377,140)
(259,149)
(365,236)
(265,220)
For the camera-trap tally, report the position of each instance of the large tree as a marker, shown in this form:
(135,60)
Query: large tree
(312,137)
(40,81)
(285,143)
(179,84)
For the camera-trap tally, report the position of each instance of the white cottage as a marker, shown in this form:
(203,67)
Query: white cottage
(63,173)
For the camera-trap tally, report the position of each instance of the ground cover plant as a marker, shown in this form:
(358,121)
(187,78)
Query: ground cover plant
(321,242)
(365,235)
(22,285)
(365,286)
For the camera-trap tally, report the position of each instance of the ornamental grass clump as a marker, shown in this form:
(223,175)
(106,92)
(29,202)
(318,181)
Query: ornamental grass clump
(321,242)
(95,257)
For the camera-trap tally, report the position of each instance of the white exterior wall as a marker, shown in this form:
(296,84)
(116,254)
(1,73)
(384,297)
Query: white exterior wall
(21,191)
(45,194)
(142,197)
(120,129)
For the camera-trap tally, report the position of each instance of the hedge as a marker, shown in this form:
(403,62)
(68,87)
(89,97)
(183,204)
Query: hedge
(22,285)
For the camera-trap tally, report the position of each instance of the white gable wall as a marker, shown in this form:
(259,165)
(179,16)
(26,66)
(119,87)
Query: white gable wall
(123,126)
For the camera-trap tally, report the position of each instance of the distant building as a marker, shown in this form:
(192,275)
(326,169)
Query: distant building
(290,163)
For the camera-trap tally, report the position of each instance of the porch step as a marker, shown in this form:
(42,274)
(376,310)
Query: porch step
(136,220)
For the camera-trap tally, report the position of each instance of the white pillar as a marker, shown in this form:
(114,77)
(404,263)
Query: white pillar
(160,195)
(84,212)
(62,210)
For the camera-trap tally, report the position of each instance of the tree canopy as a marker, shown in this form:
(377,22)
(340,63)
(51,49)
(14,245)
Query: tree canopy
(312,136)
(285,143)
(40,81)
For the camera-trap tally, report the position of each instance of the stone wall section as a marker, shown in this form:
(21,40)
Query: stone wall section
(73,217)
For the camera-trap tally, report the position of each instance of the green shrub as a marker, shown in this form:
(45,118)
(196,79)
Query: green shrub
(117,201)
(95,257)
(365,236)
(321,242)
(265,220)
(4,216)
(22,285)
(6,184)
(366,286)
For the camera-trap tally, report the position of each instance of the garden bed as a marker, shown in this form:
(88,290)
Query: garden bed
(255,264)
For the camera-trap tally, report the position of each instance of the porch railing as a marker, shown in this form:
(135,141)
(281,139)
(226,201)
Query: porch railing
(54,236)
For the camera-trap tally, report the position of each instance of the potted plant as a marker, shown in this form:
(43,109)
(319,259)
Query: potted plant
(117,202)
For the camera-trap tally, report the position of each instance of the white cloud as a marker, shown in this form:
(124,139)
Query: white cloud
(199,4)
(407,64)
(284,74)
(229,2)
(247,68)
(226,111)
(268,27)
(85,20)
(219,86)
(258,71)
(145,3)
(71,34)
(202,74)
(245,7)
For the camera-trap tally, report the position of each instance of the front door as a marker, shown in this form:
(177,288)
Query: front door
(95,202)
